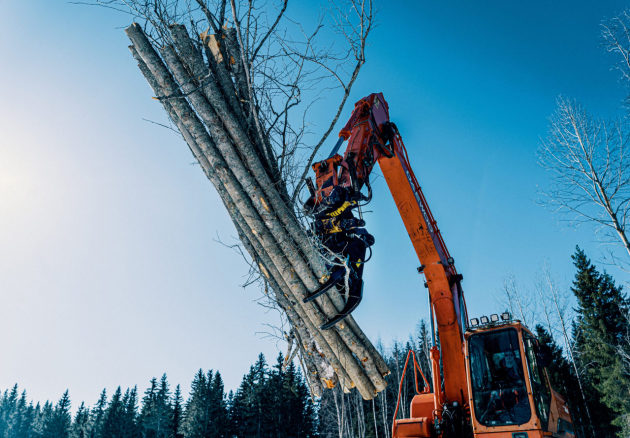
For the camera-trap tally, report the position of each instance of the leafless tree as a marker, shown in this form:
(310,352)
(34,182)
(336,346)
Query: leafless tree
(587,157)
(517,301)
(238,80)
(548,305)
(616,36)
(588,162)
(343,415)
(554,302)
(544,305)
(624,345)
(288,70)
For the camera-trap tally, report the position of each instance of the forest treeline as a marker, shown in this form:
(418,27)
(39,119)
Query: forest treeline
(590,368)
(271,401)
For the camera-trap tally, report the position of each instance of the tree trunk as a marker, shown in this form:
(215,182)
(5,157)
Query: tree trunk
(202,103)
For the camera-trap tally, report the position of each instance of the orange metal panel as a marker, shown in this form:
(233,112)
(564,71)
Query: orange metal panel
(508,434)
(439,288)
(422,405)
(413,428)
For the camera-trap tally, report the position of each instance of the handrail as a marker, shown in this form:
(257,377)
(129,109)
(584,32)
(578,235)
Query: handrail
(416,368)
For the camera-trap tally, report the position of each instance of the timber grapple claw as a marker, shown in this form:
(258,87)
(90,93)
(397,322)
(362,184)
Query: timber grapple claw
(336,276)
(342,234)
(336,194)
(355,295)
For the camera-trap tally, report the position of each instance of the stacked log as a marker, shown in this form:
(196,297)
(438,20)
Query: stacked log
(203,86)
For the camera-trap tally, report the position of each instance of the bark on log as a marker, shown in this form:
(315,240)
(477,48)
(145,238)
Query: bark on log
(210,115)
(217,70)
(318,371)
(309,348)
(362,391)
(238,69)
(212,109)
(294,311)
(269,195)
(346,361)
(229,158)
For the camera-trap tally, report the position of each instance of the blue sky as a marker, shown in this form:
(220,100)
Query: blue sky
(110,268)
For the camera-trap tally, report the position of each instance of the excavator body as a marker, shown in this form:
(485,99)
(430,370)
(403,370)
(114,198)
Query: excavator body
(488,374)
(510,394)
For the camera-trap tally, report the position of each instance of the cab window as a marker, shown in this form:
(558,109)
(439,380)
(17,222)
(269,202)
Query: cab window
(498,381)
(540,387)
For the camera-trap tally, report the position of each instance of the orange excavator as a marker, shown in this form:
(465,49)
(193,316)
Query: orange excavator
(488,374)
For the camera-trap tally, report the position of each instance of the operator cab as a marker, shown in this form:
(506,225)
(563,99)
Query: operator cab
(508,385)
(498,380)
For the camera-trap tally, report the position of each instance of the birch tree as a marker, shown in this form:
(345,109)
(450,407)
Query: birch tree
(587,160)
(587,157)
(519,303)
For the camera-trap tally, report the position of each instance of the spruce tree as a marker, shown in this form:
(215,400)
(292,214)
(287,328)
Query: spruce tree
(278,401)
(423,350)
(563,380)
(218,407)
(163,410)
(41,413)
(598,331)
(29,418)
(113,418)
(177,412)
(8,411)
(196,420)
(14,412)
(147,412)
(130,418)
(97,415)
(292,411)
(81,424)
(249,418)
(57,422)
(272,403)
(206,413)
(21,426)
(156,415)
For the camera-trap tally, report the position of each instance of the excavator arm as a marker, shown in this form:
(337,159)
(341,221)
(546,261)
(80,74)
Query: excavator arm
(479,371)
(337,194)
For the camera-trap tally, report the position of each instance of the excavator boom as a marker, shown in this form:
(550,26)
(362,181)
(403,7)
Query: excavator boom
(372,138)
(478,373)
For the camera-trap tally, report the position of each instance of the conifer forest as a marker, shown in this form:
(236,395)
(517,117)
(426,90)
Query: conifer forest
(273,399)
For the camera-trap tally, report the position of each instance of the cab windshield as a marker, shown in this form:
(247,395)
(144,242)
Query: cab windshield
(498,382)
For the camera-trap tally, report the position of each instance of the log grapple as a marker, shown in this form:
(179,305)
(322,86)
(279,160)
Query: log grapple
(336,196)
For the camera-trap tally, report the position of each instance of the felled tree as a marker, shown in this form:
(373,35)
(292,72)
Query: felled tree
(238,85)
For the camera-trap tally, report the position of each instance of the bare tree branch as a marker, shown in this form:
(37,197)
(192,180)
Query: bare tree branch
(587,160)
(239,99)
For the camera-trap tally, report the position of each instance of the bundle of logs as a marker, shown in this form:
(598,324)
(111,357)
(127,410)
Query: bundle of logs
(205,89)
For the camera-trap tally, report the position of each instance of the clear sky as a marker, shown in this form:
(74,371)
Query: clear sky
(110,267)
